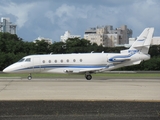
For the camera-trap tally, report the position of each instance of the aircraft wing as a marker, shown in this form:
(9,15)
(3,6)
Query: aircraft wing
(92,70)
(85,70)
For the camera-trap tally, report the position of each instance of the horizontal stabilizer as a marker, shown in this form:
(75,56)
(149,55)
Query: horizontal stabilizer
(139,46)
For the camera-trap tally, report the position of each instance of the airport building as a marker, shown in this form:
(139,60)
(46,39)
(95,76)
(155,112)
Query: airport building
(7,26)
(67,35)
(49,41)
(107,36)
(155,41)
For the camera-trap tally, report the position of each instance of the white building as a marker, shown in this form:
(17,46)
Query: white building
(7,26)
(67,35)
(49,41)
(155,41)
(113,39)
(107,36)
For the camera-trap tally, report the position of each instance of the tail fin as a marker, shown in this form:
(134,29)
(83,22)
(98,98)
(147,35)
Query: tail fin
(143,42)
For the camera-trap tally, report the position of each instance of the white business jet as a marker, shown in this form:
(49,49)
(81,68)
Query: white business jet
(86,63)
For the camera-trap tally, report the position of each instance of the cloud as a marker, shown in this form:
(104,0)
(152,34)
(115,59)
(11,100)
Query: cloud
(20,11)
(51,18)
(65,10)
(136,15)
(143,14)
(64,13)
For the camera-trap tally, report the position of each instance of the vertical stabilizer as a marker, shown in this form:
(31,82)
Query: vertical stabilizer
(143,42)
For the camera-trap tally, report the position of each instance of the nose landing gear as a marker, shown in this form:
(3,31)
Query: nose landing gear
(30,77)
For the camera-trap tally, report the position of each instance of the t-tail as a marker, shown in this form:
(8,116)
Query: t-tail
(143,42)
(139,50)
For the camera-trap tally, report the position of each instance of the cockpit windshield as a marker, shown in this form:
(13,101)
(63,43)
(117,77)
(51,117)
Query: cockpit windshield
(28,60)
(21,60)
(25,60)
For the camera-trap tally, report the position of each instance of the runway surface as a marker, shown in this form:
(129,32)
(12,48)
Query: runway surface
(77,99)
(80,89)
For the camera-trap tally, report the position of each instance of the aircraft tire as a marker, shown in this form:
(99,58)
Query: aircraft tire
(29,77)
(88,77)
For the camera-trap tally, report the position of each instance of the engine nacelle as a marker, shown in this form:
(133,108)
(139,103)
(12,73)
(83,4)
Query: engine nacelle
(114,59)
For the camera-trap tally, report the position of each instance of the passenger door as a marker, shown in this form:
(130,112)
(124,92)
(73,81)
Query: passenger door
(36,65)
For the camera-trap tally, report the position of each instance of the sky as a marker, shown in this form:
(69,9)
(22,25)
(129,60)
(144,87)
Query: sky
(51,18)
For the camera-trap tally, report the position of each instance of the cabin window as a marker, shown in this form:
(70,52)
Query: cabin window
(28,60)
(49,61)
(74,60)
(55,61)
(43,61)
(80,60)
(67,60)
(61,61)
(21,60)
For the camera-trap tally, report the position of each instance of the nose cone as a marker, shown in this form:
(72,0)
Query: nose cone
(10,69)
(14,68)
(7,70)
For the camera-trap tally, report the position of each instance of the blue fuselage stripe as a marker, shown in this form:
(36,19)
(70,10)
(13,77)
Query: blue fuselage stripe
(61,66)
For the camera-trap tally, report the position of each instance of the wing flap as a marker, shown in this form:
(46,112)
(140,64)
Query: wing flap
(84,70)
(92,70)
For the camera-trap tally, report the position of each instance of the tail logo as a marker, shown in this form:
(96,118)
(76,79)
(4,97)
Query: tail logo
(133,51)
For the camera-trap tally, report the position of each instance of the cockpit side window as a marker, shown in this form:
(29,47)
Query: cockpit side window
(21,60)
(28,60)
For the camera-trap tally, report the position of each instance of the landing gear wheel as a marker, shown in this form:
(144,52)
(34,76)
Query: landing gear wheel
(29,77)
(88,77)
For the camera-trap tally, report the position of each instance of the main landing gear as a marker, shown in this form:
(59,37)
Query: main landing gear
(30,77)
(88,76)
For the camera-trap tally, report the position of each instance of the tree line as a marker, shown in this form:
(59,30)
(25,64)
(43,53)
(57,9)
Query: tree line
(13,48)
